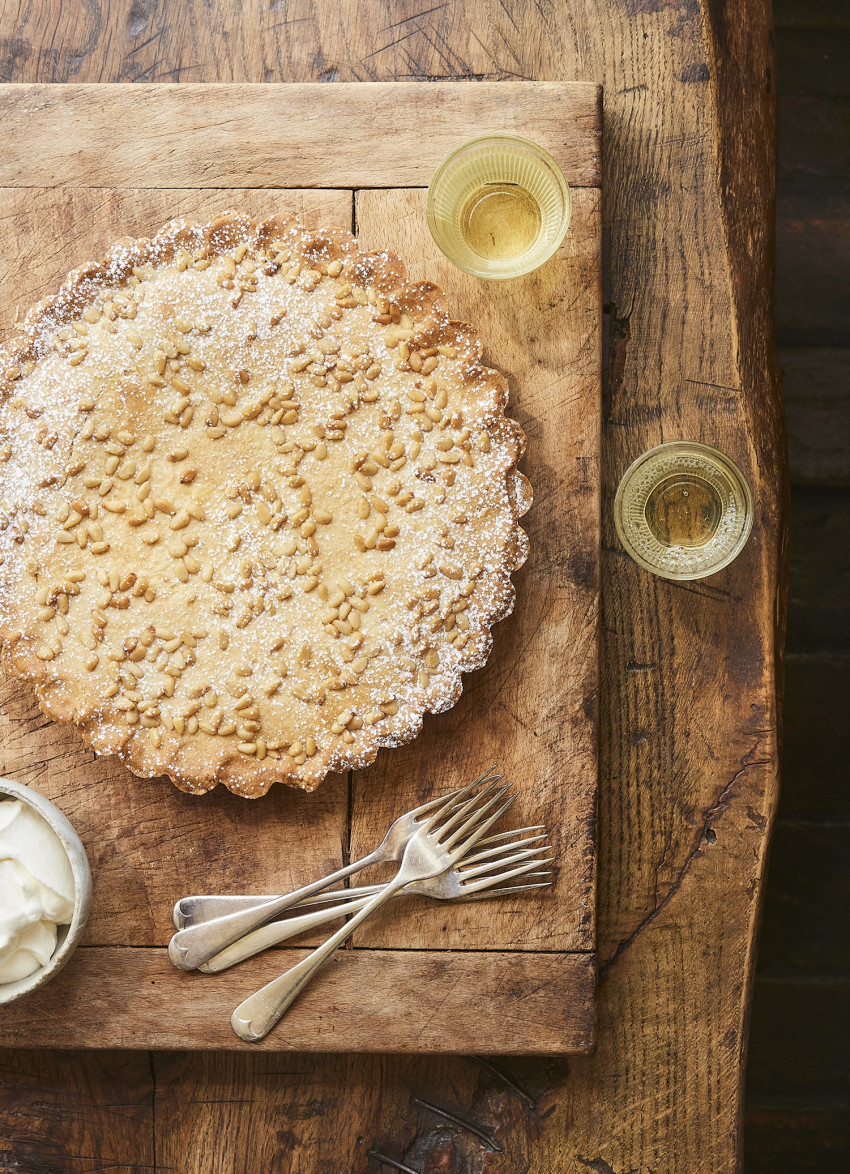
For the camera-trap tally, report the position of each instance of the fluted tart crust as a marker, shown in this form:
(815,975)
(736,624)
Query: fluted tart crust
(258,504)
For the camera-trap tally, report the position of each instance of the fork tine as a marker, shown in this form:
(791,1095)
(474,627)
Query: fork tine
(532,871)
(489,882)
(449,803)
(534,855)
(500,848)
(432,803)
(456,813)
(487,779)
(529,876)
(441,800)
(471,814)
(538,827)
(488,894)
(478,832)
(503,862)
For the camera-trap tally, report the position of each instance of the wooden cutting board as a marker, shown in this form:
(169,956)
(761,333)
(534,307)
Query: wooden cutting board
(84,165)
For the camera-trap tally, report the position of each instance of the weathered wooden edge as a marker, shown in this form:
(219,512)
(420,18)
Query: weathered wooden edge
(743,60)
(307,135)
(364,1001)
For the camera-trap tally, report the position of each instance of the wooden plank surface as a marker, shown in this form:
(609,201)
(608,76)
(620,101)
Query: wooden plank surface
(532,710)
(688,168)
(819,585)
(43,1127)
(813,262)
(269,136)
(368,1001)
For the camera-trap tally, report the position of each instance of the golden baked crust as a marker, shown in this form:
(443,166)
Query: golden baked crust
(258,504)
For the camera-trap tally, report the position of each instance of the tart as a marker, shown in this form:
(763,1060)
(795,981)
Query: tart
(258,504)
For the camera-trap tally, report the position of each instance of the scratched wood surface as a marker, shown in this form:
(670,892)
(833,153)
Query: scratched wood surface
(688,701)
(414,1001)
(532,710)
(249,136)
(542,331)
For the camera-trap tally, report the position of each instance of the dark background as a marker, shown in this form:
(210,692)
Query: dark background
(798,1086)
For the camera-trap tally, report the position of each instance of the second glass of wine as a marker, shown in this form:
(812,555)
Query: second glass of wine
(683,510)
(498,206)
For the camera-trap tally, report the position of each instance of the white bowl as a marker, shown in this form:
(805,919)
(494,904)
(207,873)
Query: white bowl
(67,935)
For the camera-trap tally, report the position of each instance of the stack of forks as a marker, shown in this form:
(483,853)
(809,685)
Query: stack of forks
(433,845)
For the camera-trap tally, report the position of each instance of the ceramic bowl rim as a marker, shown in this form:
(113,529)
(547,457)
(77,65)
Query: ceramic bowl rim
(78,860)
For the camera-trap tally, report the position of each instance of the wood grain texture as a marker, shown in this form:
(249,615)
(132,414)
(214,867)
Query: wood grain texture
(368,1000)
(532,709)
(44,1122)
(278,1108)
(271,136)
(688,179)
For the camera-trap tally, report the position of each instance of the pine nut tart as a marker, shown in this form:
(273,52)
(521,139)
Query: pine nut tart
(258,504)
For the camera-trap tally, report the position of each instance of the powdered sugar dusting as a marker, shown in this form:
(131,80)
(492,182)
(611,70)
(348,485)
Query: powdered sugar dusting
(259,504)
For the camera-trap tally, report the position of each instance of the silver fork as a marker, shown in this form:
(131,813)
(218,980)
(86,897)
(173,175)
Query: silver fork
(196,944)
(208,906)
(457,884)
(438,845)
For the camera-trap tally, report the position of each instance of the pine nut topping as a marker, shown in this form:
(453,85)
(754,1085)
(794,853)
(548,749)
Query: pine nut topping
(215,395)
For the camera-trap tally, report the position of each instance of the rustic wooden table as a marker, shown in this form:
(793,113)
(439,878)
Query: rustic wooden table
(689,671)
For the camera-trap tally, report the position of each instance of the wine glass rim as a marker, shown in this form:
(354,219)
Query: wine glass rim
(537,255)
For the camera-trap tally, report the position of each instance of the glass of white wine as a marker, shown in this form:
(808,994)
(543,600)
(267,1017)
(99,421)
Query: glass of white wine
(683,510)
(498,206)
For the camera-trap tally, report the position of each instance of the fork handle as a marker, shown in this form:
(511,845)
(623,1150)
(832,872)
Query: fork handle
(196,944)
(256,1016)
(208,906)
(275,932)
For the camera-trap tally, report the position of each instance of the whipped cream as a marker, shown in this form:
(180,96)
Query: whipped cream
(36,890)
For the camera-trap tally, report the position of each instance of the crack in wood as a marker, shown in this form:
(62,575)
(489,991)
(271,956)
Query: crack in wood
(507,1079)
(717,808)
